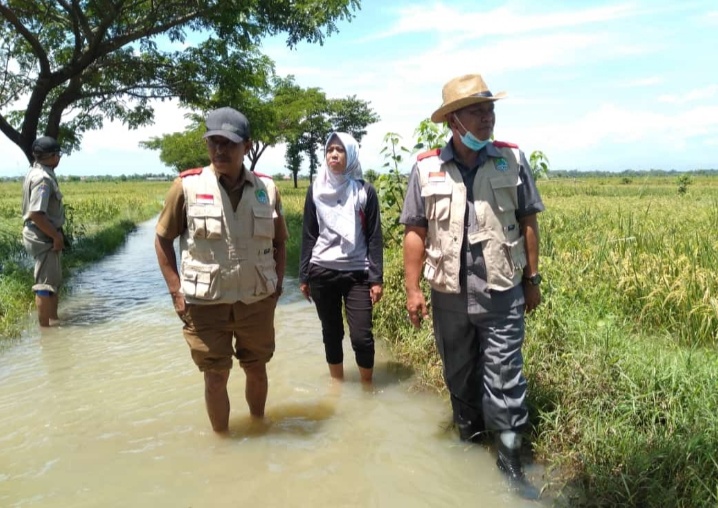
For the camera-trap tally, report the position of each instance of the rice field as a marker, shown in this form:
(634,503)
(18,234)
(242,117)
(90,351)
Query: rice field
(621,357)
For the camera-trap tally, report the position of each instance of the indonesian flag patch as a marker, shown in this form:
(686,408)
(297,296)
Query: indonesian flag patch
(204,199)
(437,176)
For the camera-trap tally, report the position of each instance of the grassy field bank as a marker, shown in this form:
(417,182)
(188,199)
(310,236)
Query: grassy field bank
(621,358)
(99,216)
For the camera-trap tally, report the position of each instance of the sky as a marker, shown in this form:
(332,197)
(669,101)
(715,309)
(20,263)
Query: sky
(595,85)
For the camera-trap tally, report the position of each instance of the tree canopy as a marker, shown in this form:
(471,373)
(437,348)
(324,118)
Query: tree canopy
(279,111)
(70,64)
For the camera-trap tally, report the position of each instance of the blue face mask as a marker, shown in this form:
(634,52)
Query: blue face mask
(469,140)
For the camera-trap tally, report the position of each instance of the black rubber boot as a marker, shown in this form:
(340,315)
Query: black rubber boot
(473,432)
(509,463)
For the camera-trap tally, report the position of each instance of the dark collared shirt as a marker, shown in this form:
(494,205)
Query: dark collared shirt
(475,295)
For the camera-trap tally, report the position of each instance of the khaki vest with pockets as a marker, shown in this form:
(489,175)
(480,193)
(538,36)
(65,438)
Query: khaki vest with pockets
(495,201)
(227,255)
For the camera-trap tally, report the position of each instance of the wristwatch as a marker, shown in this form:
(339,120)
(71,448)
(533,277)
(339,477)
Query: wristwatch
(534,279)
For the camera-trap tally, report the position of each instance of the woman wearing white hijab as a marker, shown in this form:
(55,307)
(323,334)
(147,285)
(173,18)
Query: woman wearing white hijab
(342,254)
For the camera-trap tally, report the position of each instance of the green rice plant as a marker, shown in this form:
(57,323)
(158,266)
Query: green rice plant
(293,208)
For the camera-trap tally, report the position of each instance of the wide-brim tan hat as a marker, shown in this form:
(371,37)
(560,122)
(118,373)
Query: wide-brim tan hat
(461,92)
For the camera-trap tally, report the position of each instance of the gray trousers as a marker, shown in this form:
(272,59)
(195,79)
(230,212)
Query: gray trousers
(481,354)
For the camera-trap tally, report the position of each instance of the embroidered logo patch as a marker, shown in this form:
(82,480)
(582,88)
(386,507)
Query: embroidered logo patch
(204,199)
(501,164)
(262,196)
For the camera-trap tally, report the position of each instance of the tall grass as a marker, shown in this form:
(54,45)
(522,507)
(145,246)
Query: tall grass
(622,357)
(293,207)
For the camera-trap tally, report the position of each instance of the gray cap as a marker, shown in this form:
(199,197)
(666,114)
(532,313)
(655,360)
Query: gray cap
(228,123)
(45,145)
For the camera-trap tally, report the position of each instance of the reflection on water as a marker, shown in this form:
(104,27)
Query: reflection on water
(107,410)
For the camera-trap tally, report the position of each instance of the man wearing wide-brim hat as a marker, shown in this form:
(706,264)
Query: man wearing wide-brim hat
(43,216)
(470,220)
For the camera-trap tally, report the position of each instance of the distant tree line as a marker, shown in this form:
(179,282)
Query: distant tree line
(575,173)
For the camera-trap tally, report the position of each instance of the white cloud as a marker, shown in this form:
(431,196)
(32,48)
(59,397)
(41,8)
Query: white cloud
(690,96)
(641,82)
(710,18)
(446,18)
(113,138)
(611,125)
(169,117)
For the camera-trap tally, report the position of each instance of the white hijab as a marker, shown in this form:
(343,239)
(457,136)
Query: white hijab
(336,196)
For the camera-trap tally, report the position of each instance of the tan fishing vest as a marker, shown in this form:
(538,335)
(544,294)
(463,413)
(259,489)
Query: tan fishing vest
(227,255)
(495,202)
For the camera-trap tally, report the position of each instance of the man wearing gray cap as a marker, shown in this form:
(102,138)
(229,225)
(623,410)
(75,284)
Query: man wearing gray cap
(470,219)
(232,257)
(43,217)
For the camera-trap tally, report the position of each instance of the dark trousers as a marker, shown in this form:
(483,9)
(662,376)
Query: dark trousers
(483,364)
(330,289)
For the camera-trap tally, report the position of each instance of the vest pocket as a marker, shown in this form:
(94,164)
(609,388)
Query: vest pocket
(263,222)
(201,281)
(505,194)
(438,201)
(266,278)
(433,270)
(516,252)
(503,260)
(205,221)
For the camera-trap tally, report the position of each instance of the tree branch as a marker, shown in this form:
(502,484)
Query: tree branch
(77,12)
(118,42)
(9,131)
(77,51)
(39,51)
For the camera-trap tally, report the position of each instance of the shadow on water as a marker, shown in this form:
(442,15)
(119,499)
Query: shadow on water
(289,418)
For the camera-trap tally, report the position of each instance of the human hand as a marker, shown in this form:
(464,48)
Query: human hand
(416,305)
(304,288)
(375,293)
(532,297)
(179,304)
(58,242)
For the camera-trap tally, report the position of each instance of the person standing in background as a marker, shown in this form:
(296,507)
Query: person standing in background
(43,217)
(342,254)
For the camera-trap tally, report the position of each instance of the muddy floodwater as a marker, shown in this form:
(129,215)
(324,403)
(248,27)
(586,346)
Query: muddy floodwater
(107,410)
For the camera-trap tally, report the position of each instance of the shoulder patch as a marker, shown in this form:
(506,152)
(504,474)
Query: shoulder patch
(431,153)
(505,144)
(190,172)
(261,175)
